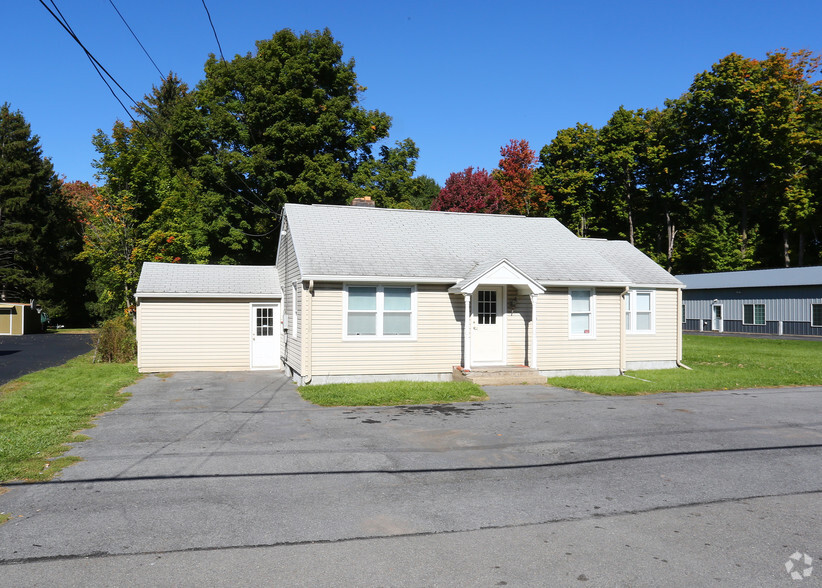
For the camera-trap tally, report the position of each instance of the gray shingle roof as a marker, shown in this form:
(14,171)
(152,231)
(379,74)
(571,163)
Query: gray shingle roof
(639,268)
(364,242)
(209,280)
(768,278)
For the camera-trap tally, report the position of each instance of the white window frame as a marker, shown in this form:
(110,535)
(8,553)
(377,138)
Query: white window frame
(631,312)
(812,323)
(592,297)
(754,323)
(380,311)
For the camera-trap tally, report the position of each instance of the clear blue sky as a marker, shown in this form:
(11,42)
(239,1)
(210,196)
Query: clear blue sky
(459,78)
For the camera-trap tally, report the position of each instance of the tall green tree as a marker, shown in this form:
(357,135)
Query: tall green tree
(389,180)
(286,124)
(38,234)
(620,149)
(569,173)
(756,130)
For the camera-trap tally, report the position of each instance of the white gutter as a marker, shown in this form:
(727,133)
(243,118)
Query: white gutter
(139,295)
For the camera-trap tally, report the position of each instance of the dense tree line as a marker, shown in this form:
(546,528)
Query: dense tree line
(727,176)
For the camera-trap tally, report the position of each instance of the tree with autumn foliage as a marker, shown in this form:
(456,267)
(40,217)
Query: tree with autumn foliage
(520,190)
(471,191)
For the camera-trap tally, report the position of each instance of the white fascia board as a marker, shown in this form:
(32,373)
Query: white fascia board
(381,279)
(140,295)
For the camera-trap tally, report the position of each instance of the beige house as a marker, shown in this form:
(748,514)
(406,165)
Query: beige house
(207,317)
(374,294)
(371,294)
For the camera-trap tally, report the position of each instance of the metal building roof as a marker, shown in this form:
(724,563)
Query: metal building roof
(195,280)
(767,278)
(341,241)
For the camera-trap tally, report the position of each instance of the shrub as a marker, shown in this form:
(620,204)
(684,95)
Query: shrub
(117,341)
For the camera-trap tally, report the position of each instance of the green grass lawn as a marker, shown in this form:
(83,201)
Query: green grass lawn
(41,412)
(719,363)
(392,393)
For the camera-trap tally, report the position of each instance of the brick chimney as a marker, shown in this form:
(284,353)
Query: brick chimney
(364,201)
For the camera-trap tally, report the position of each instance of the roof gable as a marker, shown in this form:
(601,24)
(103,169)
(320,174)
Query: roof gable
(499,272)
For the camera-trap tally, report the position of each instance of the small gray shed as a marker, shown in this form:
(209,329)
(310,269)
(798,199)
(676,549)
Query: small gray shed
(786,301)
(208,317)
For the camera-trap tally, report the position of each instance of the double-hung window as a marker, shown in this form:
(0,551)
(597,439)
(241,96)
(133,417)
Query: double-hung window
(816,315)
(379,312)
(753,314)
(639,311)
(581,319)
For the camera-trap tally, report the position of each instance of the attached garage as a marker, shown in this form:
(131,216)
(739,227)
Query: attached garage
(208,318)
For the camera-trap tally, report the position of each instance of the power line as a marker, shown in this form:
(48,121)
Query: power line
(98,67)
(133,34)
(220,47)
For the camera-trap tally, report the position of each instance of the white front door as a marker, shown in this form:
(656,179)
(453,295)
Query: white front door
(265,336)
(716,311)
(487,335)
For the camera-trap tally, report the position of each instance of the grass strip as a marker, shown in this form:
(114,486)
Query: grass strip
(41,412)
(392,393)
(719,363)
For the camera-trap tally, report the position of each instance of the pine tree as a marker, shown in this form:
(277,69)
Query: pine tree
(38,237)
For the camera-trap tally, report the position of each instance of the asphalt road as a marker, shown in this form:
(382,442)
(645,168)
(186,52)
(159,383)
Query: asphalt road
(218,479)
(23,354)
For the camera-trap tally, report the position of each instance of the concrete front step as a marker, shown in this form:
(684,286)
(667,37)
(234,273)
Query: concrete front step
(500,376)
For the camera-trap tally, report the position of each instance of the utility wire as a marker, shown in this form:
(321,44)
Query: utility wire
(98,67)
(133,34)
(211,22)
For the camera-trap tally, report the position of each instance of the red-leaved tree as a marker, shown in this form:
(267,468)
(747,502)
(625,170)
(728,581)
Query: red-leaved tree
(516,178)
(470,191)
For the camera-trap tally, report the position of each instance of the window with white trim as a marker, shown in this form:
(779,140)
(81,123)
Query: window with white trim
(381,312)
(753,314)
(581,313)
(816,315)
(639,311)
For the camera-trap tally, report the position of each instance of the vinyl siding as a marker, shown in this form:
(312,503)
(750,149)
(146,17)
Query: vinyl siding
(7,322)
(556,350)
(186,335)
(292,343)
(662,344)
(518,323)
(437,348)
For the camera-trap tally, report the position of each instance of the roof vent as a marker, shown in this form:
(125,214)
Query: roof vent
(364,201)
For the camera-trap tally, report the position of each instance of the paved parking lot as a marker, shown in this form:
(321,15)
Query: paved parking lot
(23,354)
(217,464)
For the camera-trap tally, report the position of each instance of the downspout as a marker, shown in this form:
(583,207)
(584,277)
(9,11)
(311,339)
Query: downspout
(679,330)
(622,331)
(306,334)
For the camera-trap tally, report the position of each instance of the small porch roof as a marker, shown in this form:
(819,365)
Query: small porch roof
(501,272)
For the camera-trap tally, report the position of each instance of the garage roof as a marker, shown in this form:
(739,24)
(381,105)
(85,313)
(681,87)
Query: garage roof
(179,280)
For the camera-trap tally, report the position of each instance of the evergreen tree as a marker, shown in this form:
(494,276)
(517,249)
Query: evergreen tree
(39,237)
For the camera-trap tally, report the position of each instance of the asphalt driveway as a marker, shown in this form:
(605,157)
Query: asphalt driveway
(203,462)
(23,354)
